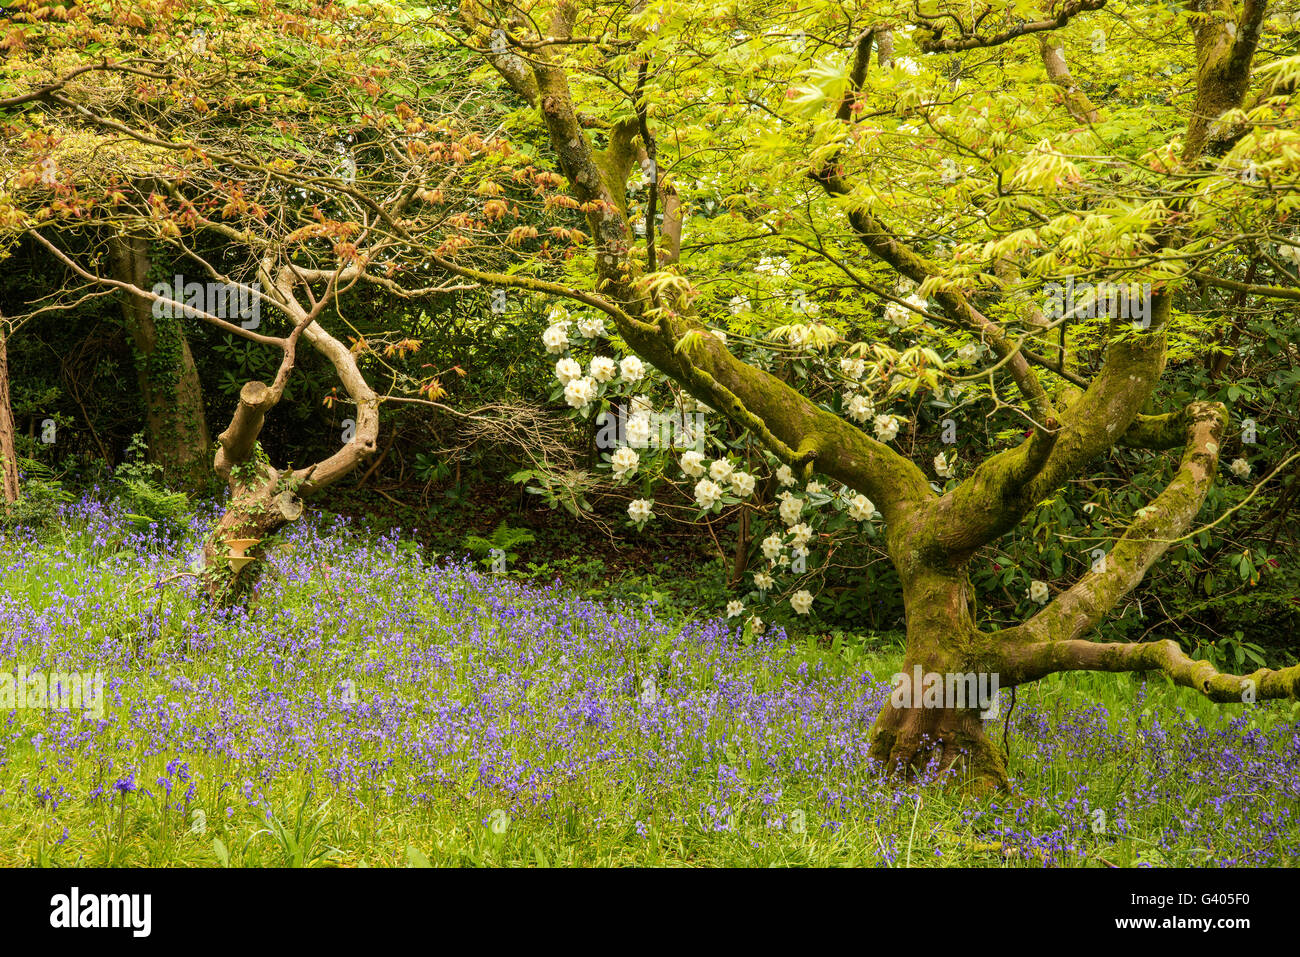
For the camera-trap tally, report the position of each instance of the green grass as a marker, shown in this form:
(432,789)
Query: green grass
(352,608)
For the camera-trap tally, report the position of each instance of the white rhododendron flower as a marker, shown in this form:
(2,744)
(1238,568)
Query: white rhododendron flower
(719,335)
(861,508)
(1290,253)
(1038,592)
(632,369)
(742,483)
(640,404)
(969,352)
(859,408)
(886,427)
(801,601)
(707,493)
(772,547)
(566,370)
(784,475)
(814,488)
(942,467)
(755,622)
(638,430)
(763,581)
(555,338)
(592,327)
(640,510)
(738,304)
(854,368)
(907,65)
(625,462)
(693,463)
(579,392)
(1240,468)
(602,369)
(735,608)
(799,551)
(800,534)
(720,471)
(790,510)
(901,315)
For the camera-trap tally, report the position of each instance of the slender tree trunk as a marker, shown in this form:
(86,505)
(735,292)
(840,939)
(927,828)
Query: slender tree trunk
(175,425)
(8,453)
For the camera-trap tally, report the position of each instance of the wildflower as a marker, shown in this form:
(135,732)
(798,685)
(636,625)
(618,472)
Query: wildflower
(735,608)
(790,509)
(859,408)
(742,484)
(801,601)
(592,327)
(566,370)
(693,463)
(886,427)
(1038,592)
(603,369)
(942,467)
(640,510)
(625,462)
(707,493)
(579,392)
(632,369)
(638,430)
(860,508)
(555,338)
(1240,468)
(720,471)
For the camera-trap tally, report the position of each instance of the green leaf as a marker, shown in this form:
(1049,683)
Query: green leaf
(415,857)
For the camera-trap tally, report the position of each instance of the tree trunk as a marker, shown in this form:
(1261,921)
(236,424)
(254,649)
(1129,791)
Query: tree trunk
(175,425)
(261,502)
(913,730)
(8,452)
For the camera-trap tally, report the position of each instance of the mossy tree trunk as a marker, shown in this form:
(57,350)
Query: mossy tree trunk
(8,451)
(176,426)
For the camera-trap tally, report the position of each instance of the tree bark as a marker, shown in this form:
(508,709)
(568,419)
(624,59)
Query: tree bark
(175,424)
(8,452)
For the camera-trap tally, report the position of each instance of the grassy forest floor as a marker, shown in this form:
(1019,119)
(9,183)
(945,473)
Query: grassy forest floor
(376,706)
